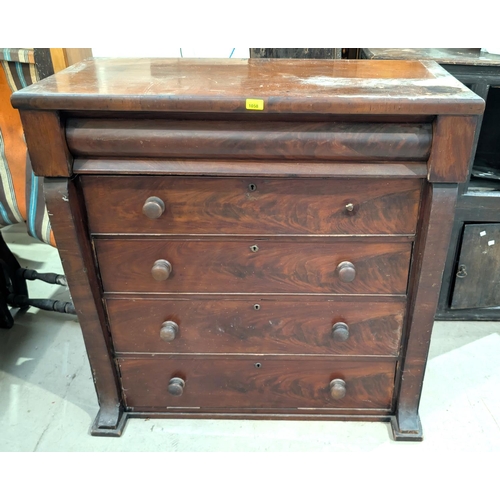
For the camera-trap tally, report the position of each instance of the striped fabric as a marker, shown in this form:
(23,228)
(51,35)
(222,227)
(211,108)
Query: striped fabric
(21,194)
(18,55)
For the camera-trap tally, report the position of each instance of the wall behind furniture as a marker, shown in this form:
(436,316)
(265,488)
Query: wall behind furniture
(114,51)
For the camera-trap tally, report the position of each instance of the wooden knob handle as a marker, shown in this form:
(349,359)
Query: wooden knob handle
(176,386)
(169,330)
(337,388)
(347,271)
(340,331)
(153,207)
(161,270)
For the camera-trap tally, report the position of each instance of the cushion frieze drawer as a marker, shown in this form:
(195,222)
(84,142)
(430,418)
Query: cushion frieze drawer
(248,265)
(202,382)
(281,326)
(180,205)
(276,140)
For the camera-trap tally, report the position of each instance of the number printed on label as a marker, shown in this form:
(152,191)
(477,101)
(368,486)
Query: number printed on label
(255,104)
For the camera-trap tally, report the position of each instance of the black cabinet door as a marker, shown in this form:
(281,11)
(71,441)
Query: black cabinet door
(477,281)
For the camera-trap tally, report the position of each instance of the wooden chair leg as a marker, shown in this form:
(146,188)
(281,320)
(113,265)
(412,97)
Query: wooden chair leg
(6,319)
(10,283)
(18,283)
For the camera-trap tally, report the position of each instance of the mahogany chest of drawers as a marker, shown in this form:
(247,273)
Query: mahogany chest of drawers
(253,238)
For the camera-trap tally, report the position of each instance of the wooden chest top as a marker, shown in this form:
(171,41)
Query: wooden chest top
(285,86)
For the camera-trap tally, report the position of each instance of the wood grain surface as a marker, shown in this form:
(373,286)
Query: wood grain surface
(225,168)
(46,141)
(285,86)
(232,266)
(248,139)
(242,383)
(252,205)
(226,325)
(452,149)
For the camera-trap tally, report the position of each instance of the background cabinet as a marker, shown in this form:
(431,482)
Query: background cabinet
(471,281)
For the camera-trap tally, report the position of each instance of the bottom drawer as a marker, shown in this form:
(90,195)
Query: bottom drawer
(260,382)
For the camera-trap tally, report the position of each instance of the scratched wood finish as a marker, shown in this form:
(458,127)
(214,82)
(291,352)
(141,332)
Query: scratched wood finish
(252,205)
(452,151)
(230,266)
(224,168)
(213,383)
(246,140)
(286,86)
(275,326)
(44,134)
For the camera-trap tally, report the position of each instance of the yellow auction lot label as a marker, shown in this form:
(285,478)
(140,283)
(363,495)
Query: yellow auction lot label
(255,104)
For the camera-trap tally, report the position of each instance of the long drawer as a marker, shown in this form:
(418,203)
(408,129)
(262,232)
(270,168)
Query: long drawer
(250,205)
(201,382)
(253,266)
(249,139)
(255,326)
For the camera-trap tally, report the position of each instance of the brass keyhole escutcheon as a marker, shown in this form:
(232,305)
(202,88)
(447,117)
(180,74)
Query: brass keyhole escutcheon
(462,273)
(257,365)
(254,248)
(252,187)
(256,307)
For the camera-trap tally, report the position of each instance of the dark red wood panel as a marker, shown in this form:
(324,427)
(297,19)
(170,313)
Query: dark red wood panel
(279,326)
(233,266)
(452,148)
(230,168)
(249,139)
(46,141)
(256,383)
(252,205)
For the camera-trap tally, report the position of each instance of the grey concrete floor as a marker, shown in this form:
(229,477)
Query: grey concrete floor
(47,398)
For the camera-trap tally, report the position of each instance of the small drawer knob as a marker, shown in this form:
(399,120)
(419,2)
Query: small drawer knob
(340,332)
(176,386)
(161,270)
(349,207)
(347,271)
(337,388)
(153,207)
(169,330)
